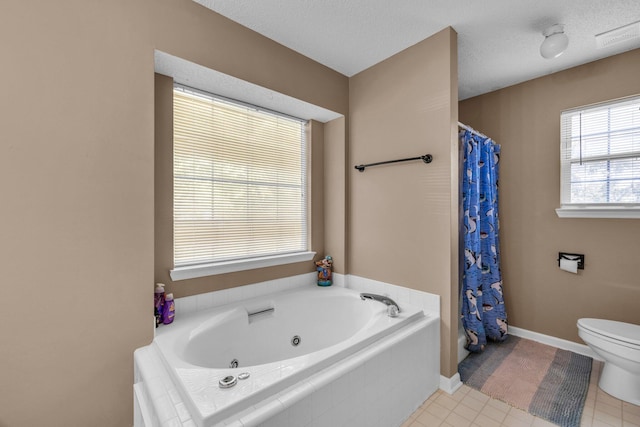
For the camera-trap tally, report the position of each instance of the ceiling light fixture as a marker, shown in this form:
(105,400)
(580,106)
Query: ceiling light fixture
(555,41)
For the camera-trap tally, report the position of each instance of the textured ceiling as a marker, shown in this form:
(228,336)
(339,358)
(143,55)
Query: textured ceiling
(498,40)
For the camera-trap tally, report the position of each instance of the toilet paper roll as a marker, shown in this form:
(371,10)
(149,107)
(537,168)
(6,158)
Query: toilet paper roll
(569,265)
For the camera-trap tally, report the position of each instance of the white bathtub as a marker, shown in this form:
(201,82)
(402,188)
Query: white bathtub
(335,329)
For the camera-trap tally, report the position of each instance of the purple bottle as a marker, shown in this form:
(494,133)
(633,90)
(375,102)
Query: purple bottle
(158,302)
(169,311)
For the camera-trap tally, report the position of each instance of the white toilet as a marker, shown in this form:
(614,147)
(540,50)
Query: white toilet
(618,344)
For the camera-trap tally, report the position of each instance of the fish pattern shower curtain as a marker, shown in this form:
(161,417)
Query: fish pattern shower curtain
(483,311)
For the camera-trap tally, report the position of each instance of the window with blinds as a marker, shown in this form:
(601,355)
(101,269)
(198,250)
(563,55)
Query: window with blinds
(239,180)
(600,155)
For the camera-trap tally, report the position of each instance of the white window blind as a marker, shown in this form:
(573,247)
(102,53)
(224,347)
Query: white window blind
(240,181)
(600,155)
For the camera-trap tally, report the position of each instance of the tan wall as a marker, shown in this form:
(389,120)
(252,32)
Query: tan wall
(335,193)
(76,178)
(525,120)
(77,185)
(403,218)
(185,29)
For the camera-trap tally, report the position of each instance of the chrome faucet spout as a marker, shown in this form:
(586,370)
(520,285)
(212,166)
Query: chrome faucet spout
(392,308)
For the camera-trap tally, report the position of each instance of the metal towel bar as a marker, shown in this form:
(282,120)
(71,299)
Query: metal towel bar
(427,158)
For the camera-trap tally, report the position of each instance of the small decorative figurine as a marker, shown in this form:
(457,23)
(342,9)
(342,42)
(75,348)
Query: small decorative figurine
(324,271)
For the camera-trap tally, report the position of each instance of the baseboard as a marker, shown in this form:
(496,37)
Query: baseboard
(450,385)
(554,342)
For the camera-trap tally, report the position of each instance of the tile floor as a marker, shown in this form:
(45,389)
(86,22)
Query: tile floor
(468,407)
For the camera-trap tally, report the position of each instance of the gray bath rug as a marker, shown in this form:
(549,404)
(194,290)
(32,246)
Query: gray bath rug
(545,381)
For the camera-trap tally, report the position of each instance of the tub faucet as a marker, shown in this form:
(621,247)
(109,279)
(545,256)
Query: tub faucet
(392,308)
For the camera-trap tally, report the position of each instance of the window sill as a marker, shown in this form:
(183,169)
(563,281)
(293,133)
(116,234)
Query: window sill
(202,270)
(599,212)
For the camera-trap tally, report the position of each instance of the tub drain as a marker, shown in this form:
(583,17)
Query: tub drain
(233,364)
(295,340)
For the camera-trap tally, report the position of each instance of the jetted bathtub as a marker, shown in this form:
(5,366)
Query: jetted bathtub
(291,345)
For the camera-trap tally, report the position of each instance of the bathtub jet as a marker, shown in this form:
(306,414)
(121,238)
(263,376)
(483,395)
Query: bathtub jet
(392,308)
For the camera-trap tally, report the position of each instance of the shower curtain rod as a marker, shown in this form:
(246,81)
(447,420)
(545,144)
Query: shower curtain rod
(472,130)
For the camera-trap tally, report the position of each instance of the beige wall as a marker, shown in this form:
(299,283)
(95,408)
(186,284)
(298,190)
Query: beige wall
(185,29)
(76,178)
(77,185)
(335,193)
(525,120)
(403,218)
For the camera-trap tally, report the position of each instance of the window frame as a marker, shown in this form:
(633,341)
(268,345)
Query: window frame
(203,269)
(591,210)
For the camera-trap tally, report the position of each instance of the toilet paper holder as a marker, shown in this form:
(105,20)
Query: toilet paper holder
(572,257)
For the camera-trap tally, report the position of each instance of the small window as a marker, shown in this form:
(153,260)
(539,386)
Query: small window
(600,160)
(240,184)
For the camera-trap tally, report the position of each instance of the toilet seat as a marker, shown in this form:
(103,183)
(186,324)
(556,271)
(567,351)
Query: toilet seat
(625,333)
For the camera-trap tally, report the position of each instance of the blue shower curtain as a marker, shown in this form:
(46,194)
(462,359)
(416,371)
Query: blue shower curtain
(483,312)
